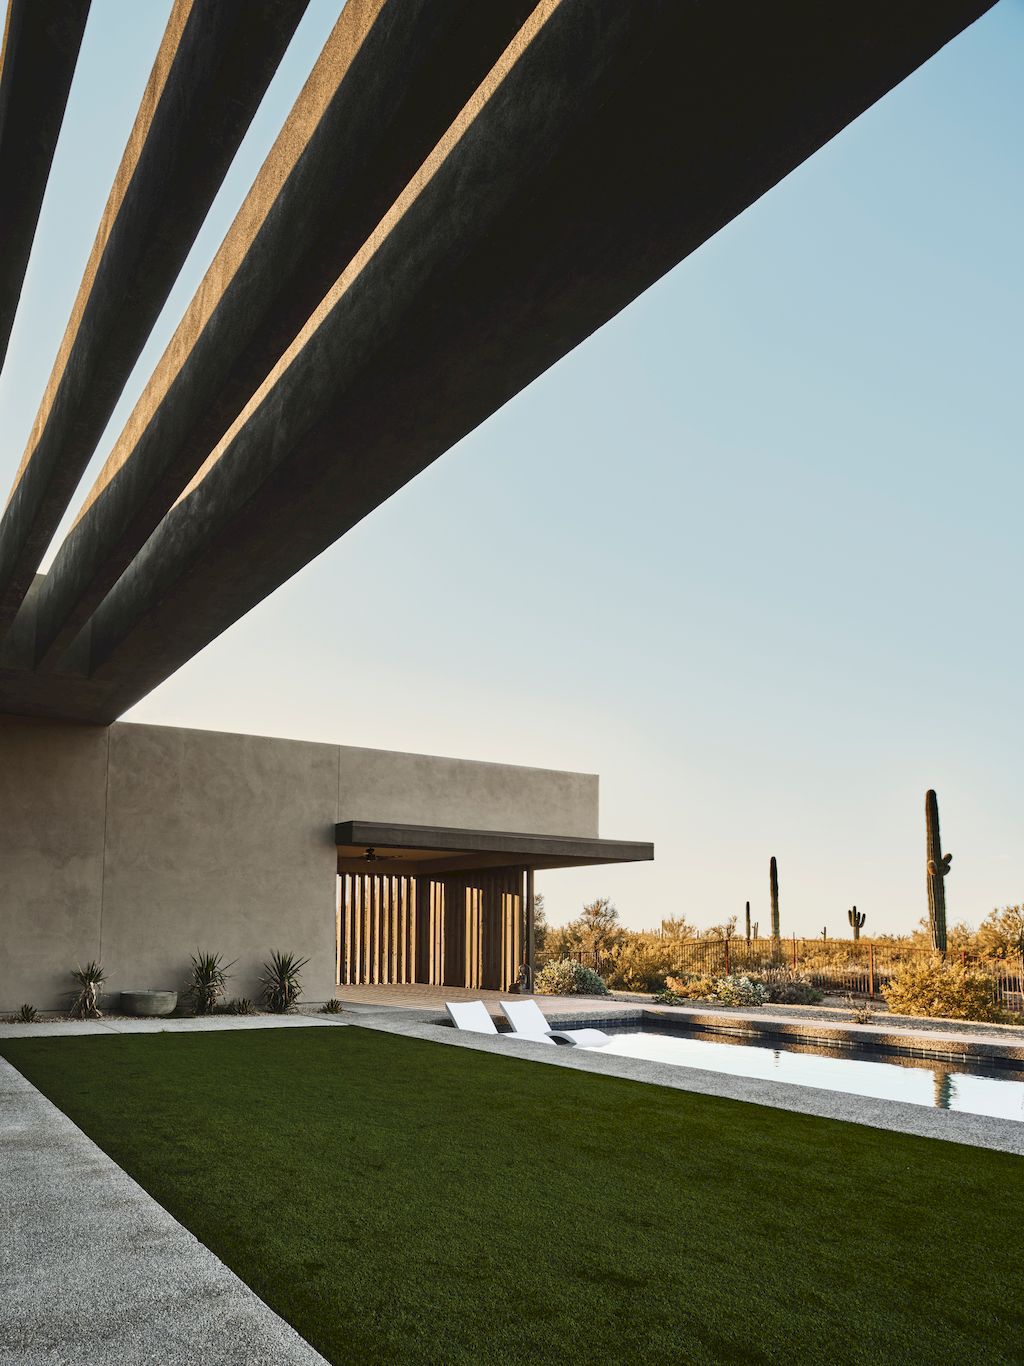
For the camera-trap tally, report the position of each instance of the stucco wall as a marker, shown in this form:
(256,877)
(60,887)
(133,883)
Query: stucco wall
(137,844)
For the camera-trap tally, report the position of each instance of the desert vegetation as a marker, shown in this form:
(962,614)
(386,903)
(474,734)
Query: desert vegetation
(978,977)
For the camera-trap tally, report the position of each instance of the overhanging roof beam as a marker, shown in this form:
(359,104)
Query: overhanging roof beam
(215,62)
(37,63)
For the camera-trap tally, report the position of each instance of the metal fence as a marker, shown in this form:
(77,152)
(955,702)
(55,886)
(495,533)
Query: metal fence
(859,967)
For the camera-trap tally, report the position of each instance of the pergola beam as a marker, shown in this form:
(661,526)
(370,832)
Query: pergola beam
(213,67)
(37,64)
(389,82)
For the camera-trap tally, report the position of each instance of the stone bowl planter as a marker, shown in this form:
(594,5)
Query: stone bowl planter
(148,1002)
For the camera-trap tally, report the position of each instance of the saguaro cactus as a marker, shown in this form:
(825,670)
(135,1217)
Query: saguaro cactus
(856,919)
(936,869)
(748,922)
(773,882)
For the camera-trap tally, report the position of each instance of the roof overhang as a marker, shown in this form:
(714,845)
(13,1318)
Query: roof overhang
(423,849)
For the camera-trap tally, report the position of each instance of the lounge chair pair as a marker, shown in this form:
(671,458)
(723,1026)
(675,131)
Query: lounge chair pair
(527,1020)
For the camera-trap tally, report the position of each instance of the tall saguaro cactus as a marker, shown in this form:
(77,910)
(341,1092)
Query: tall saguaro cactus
(773,880)
(936,869)
(748,922)
(856,919)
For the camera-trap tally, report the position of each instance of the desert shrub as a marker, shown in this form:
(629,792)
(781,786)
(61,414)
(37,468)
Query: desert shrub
(568,978)
(331,1007)
(735,990)
(1001,933)
(85,1002)
(638,963)
(788,988)
(935,987)
(207,982)
(863,1011)
(690,987)
(282,985)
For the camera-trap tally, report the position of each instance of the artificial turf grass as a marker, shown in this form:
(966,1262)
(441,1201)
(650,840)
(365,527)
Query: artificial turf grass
(403,1201)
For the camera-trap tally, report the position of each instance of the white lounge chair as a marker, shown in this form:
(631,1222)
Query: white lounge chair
(529,1022)
(475,1017)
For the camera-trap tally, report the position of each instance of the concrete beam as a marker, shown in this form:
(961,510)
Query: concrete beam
(37,63)
(387,85)
(213,66)
(608,143)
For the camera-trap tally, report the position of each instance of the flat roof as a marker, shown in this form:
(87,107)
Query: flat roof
(436,848)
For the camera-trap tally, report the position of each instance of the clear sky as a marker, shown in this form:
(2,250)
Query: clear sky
(753,552)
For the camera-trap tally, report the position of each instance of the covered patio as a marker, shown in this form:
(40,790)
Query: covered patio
(433,906)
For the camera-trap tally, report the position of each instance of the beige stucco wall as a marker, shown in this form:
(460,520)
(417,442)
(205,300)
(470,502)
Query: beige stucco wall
(137,844)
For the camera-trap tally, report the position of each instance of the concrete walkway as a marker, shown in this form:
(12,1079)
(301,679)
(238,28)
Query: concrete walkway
(94,1271)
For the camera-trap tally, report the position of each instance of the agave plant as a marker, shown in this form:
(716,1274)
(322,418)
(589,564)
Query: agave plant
(240,1005)
(209,979)
(331,1007)
(26,1014)
(281,985)
(85,1005)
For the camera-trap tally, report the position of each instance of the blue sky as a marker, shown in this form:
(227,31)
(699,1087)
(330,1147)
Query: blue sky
(752,552)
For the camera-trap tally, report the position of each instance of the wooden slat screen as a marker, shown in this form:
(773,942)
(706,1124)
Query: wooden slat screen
(461,929)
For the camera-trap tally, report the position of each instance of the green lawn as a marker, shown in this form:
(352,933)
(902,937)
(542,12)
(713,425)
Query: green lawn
(400,1201)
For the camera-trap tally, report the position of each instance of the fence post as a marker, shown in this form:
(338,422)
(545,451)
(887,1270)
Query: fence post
(727,957)
(871,969)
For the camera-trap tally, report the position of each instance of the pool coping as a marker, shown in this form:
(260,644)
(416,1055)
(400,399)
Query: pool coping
(951,1126)
(918,1043)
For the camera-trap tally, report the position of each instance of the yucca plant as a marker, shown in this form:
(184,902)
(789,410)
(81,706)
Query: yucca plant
(331,1007)
(209,979)
(281,985)
(25,1014)
(85,1005)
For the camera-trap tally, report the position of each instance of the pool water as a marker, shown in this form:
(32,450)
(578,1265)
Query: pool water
(977,1088)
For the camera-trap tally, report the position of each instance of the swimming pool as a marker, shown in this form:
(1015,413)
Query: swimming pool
(978,1088)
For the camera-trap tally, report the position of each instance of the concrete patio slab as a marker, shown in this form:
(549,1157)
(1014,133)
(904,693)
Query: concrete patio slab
(95,1271)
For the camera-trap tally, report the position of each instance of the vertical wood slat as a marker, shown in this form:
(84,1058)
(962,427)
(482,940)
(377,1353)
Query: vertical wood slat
(376,929)
(393,926)
(440,931)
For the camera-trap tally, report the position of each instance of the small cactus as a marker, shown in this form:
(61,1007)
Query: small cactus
(936,869)
(773,882)
(856,919)
(748,922)
(824,933)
